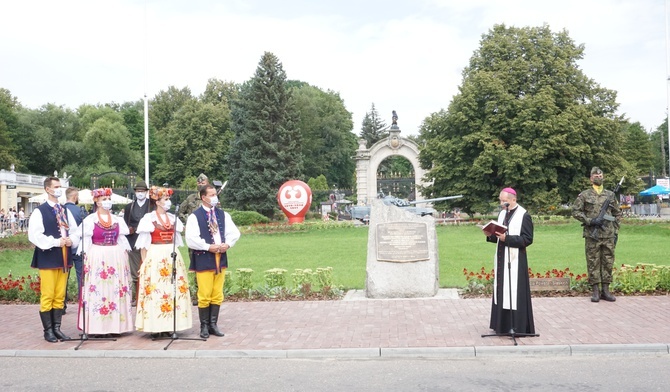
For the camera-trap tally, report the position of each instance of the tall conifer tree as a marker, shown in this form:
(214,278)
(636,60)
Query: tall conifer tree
(266,148)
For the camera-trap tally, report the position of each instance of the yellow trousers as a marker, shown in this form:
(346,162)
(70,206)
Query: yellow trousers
(52,289)
(210,287)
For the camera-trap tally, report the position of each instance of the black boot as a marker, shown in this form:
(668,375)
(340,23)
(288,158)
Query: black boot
(606,295)
(56,316)
(213,319)
(47,324)
(204,322)
(595,297)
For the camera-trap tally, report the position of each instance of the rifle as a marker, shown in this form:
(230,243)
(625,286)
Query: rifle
(603,212)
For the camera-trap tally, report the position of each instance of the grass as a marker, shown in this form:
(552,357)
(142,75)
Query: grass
(345,249)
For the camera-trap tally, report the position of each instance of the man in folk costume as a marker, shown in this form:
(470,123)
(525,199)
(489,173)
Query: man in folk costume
(512,244)
(210,232)
(132,214)
(49,230)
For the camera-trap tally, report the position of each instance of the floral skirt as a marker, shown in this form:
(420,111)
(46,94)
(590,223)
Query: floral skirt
(156,300)
(105,298)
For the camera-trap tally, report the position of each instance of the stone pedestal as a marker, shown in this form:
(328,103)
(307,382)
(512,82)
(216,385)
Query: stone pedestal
(402,257)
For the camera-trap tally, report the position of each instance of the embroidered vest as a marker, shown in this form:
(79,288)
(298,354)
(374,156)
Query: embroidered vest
(204,260)
(50,258)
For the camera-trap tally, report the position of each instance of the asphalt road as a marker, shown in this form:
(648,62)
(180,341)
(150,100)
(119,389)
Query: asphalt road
(588,373)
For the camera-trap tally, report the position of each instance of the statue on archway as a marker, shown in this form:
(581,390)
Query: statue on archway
(394,119)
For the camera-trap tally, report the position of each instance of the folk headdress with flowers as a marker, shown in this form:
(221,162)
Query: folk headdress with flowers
(157,193)
(100,192)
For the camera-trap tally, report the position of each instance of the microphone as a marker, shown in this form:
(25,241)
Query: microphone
(506,205)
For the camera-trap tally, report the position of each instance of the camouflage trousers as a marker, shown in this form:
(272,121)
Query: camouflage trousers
(600,260)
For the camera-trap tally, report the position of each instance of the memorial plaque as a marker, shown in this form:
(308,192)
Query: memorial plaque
(402,242)
(549,284)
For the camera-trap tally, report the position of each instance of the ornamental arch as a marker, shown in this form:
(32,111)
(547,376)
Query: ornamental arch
(369,159)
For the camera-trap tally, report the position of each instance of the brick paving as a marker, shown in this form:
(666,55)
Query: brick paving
(376,323)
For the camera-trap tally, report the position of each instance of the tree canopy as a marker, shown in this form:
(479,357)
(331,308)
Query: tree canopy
(525,116)
(327,141)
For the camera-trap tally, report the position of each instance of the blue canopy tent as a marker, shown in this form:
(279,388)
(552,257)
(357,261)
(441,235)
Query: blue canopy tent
(656,190)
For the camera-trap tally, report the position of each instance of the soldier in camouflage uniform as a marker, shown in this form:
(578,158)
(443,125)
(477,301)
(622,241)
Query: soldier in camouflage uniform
(600,233)
(189,205)
(192,202)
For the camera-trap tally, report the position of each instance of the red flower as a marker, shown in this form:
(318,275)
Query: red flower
(104,310)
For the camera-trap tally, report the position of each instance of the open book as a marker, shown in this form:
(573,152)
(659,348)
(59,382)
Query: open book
(493,227)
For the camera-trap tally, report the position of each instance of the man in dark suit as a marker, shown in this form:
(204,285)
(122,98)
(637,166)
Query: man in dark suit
(72,197)
(132,214)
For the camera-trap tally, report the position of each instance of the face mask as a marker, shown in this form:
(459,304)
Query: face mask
(167,204)
(213,201)
(598,181)
(107,204)
(140,195)
(58,192)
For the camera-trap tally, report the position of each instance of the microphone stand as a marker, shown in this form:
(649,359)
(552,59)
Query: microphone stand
(82,303)
(173,255)
(512,332)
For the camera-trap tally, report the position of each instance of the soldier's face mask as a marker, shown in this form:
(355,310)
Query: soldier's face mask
(597,179)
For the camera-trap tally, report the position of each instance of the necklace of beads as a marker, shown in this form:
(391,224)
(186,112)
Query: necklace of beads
(167,225)
(105,223)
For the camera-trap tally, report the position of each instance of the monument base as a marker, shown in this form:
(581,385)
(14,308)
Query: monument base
(402,259)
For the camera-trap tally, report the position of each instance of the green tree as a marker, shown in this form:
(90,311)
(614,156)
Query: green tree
(637,148)
(327,141)
(659,149)
(220,92)
(48,138)
(525,116)
(373,127)
(318,184)
(162,109)
(197,141)
(266,149)
(9,123)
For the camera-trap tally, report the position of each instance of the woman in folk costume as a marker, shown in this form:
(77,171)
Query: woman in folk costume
(513,244)
(156,303)
(105,297)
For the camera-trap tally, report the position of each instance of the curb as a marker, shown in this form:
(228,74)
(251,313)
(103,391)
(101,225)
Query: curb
(363,353)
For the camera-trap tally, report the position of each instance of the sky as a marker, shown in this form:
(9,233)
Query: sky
(406,56)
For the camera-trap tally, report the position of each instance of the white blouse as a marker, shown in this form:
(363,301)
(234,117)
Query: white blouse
(146,227)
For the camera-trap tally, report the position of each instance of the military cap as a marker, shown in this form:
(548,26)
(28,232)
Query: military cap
(596,170)
(141,186)
(202,177)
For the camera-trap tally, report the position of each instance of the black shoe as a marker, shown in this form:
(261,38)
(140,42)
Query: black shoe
(47,324)
(213,320)
(155,335)
(56,316)
(595,297)
(204,322)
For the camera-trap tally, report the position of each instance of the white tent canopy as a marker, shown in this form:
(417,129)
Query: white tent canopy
(85,197)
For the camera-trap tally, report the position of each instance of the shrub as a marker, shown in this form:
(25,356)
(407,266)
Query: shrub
(247,218)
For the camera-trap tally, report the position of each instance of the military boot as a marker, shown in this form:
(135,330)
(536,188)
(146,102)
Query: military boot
(595,297)
(56,316)
(606,295)
(204,322)
(47,324)
(213,319)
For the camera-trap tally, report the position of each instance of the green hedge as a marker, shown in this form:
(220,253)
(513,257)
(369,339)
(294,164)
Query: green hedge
(247,218)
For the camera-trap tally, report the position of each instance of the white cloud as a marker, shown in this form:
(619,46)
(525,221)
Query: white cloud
(404,56)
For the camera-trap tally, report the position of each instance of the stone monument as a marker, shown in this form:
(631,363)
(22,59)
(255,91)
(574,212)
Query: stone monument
(402,257)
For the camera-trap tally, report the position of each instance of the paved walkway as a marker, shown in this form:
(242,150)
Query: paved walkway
(358,327)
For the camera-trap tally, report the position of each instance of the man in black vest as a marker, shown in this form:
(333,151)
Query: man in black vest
(132,214)
(52,229)
(71,203)
(210,232)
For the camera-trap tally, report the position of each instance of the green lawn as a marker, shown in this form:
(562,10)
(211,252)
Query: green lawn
(555,246)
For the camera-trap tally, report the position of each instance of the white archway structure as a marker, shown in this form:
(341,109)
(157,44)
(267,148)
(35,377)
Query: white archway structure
(368,161)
